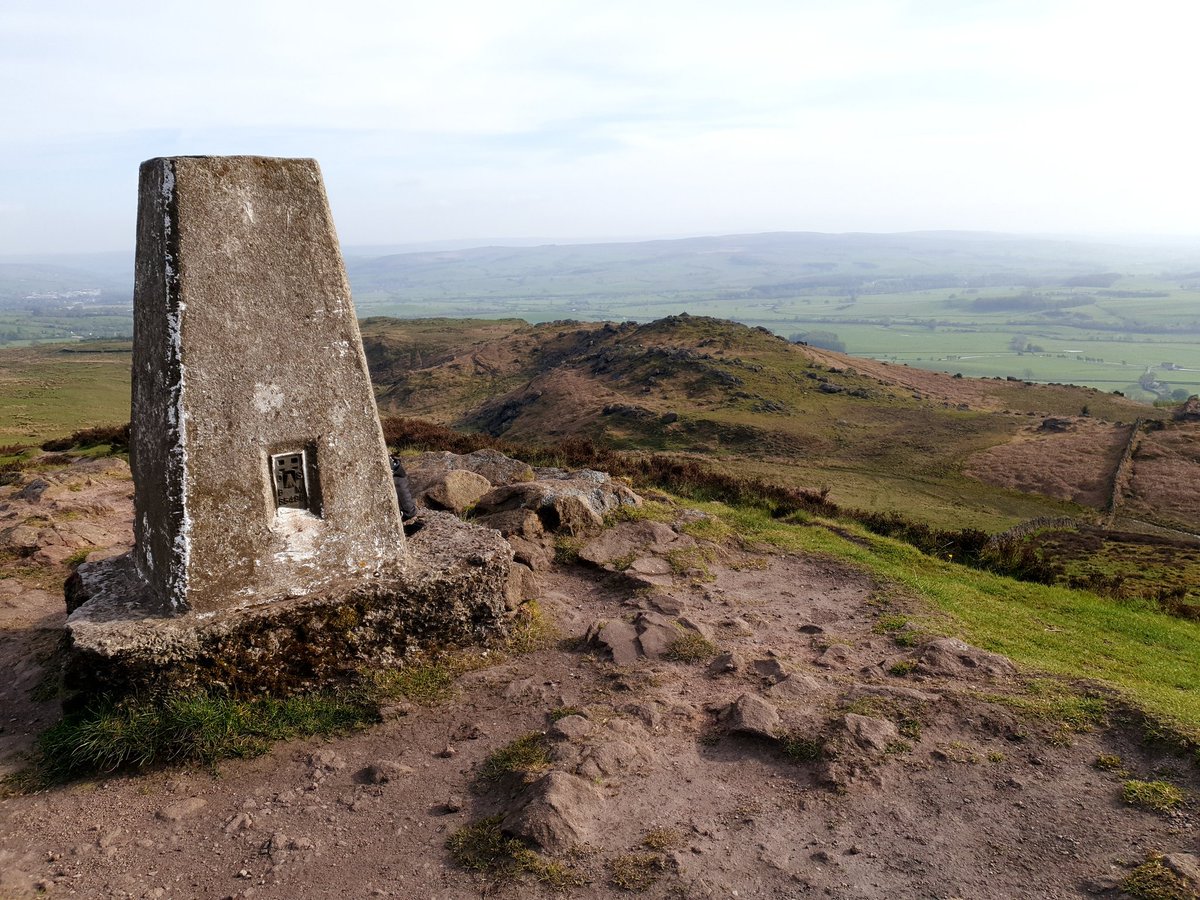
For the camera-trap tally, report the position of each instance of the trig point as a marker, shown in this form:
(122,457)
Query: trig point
(269,552)
(262,464)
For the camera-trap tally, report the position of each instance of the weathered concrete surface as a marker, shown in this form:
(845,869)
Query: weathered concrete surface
(452,593)
(246,346)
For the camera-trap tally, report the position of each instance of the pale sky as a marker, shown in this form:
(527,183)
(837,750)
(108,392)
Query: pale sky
(566,121)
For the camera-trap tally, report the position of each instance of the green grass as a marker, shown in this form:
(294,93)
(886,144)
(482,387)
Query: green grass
(528,753)
(691,647)
(1152,880)
(139,732)
(50,394)
(802,748)
(1145,655)
(1158,796)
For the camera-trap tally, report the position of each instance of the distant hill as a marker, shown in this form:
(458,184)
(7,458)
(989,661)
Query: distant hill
(886,436)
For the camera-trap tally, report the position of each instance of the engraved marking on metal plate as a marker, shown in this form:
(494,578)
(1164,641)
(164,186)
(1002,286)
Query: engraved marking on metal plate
(287,470)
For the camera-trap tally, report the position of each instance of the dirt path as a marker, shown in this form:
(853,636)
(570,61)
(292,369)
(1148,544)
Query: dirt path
(925,786)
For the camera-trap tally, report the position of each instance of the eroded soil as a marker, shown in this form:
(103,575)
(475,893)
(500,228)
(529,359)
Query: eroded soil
(932,783)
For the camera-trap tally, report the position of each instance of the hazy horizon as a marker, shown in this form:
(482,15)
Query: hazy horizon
(579,124)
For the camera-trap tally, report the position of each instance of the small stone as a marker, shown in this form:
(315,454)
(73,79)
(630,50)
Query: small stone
(448,752)
(752,715)
(651,565)
(871,733)
(836,657)
(454,803)
(725,664)
(239,822)
(771,669)
(181,810)
(325,759)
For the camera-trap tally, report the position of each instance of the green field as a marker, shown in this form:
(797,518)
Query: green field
(50,392)
(1117,317)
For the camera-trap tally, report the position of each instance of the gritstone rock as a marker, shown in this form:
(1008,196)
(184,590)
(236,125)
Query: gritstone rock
(497,468)
(572,502)
(752,715)
(950,656)
(871,733)
(556,812)
(456,491)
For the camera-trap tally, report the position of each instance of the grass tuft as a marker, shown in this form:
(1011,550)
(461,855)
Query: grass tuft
(1152,880)
(531,630)
(139,732)
(1154,795)
(662,839)
(636,872)
(691,647)
(528,753)
(484,847)
(800,748)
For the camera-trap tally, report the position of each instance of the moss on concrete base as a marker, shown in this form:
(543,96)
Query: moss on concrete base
(451,592)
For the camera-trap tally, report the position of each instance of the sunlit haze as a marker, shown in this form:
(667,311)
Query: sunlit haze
(568,121)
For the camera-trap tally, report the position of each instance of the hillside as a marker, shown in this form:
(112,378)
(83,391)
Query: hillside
(882,436)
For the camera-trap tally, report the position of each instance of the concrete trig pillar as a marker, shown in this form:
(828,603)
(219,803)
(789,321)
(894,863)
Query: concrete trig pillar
(260,466)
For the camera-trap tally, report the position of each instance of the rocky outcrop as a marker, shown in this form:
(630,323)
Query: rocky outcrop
(573,502)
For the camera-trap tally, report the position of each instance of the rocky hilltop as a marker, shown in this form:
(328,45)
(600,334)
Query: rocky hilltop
(696,710)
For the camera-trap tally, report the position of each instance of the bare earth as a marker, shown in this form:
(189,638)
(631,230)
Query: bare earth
(971,801)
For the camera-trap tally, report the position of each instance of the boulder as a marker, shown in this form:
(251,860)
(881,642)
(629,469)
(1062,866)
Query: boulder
(491,464)
(572,728)
(534,554)
(610,758)
(726,664)
(769,669)
(21,540)
(523,585)
(556,812)
(635,539)
(456,491)
(1186,866)
(796,686)
(571,502)
(621,640)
